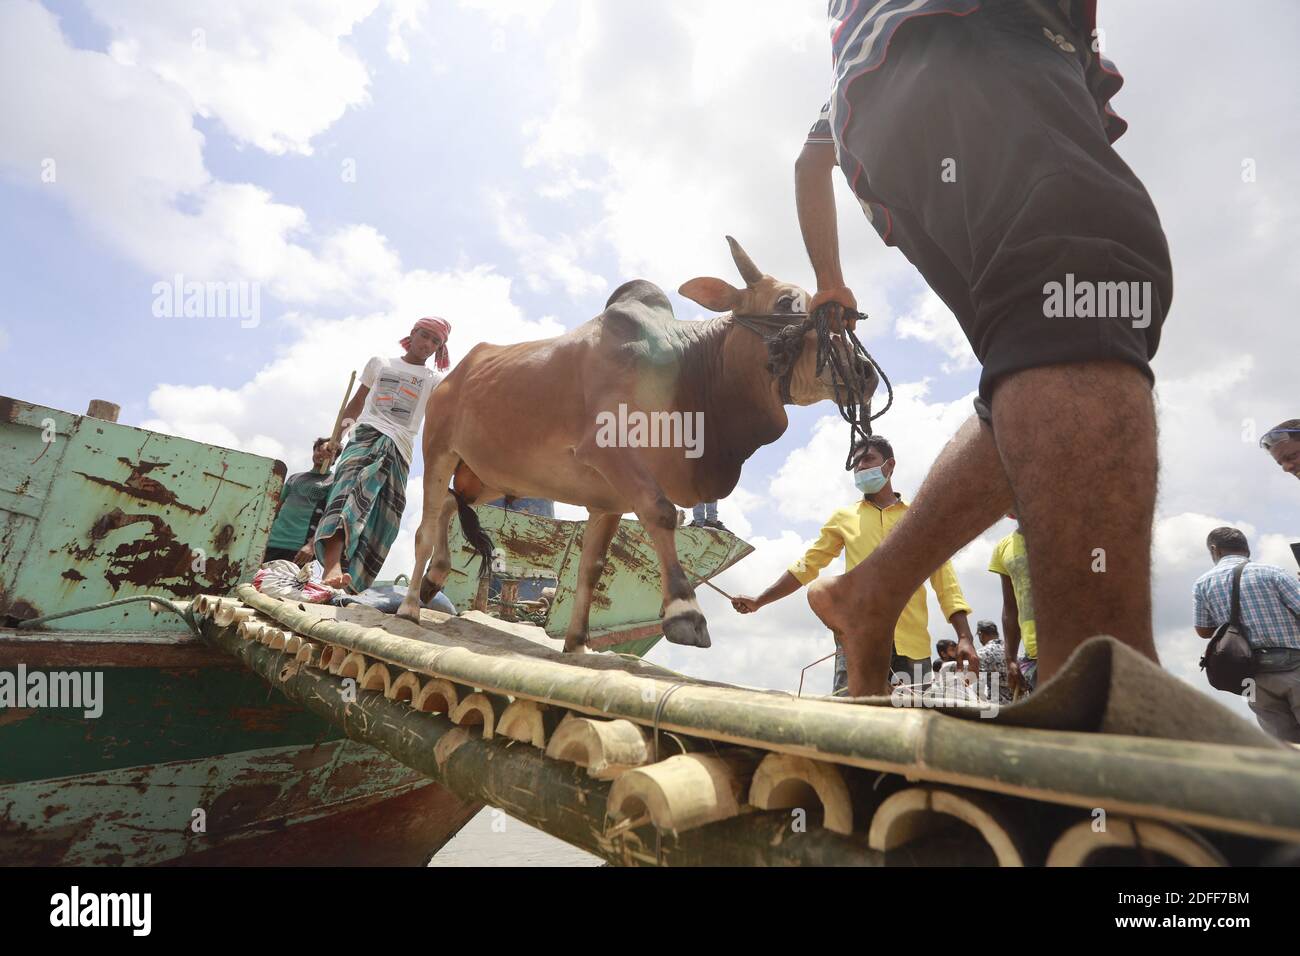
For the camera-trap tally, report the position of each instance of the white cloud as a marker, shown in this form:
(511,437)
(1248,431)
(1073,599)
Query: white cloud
(404,16)
(274,74)
(686,119)
(814,475)
(292,399)
(546,260)
(116,144)
(929,320)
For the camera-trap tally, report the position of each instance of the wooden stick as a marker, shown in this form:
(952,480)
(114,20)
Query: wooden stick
(719,590)
(337,433)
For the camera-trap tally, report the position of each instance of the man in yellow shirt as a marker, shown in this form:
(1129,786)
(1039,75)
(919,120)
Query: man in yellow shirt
(1011,562)
(858,530)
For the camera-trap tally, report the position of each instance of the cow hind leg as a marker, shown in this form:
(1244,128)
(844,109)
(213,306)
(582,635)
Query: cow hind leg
(682,618)
(596,536)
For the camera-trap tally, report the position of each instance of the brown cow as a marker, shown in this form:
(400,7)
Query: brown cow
(535,420)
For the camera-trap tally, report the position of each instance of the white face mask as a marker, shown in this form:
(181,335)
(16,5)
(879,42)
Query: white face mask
(870,480)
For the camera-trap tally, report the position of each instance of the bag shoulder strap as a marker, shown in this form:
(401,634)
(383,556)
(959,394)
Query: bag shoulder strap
(1235,617)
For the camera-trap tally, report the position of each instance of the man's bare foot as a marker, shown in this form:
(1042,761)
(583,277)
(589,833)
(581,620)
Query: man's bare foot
(337,578)
(865,630)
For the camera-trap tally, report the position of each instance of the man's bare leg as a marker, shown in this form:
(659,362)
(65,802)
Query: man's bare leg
(334,576)
(965,492)
(1078,443)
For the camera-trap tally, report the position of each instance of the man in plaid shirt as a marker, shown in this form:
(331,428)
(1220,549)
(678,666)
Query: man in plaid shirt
(1270,612)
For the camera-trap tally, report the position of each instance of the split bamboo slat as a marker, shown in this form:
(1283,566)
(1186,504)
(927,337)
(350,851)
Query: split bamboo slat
(1254,792)
(437,696)
(919,811)
(353,665)
(784,781)
(605,748)
(682,792)
(377,678)
(479,710)
(405,687)
(1080,842)
(529,722)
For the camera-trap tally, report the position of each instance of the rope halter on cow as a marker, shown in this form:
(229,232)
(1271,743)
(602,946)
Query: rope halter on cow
(784,332)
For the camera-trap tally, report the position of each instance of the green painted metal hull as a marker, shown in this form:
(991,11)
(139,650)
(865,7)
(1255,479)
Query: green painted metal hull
(273,783)
(92,511)
(625,608)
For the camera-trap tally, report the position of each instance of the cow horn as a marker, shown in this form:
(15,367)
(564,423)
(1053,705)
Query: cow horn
(748,271)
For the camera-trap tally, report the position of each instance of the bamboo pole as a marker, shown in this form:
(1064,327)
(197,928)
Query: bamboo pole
(555,797)
(230,612)
(1251,791)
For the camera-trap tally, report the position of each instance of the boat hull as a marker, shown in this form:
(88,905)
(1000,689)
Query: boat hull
(195,763)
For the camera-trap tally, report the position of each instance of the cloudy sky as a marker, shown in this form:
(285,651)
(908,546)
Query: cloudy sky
(507,163)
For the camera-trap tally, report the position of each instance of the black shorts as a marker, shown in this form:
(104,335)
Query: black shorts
(1038,195)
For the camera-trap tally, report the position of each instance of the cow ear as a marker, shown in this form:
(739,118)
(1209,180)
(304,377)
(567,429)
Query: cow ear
(714,294)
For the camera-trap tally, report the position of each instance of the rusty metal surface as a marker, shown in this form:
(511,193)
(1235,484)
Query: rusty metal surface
(338,802)
(628,597)
(92,510)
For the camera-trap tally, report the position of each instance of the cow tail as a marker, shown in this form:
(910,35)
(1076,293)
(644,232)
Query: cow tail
(478,538)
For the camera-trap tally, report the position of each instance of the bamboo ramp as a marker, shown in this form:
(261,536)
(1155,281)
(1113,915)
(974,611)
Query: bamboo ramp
(643,766)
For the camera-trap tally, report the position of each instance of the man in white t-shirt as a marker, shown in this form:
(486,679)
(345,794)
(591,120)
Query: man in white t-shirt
(366,500)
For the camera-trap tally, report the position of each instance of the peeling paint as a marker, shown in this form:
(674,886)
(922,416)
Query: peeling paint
(139,485)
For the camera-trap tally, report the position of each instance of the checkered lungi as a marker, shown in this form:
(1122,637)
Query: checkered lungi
(365,503)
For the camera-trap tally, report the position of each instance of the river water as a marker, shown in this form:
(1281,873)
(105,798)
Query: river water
(494,839)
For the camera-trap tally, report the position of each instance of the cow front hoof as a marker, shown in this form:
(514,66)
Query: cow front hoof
(687,627)
(428,590)
(409,611)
